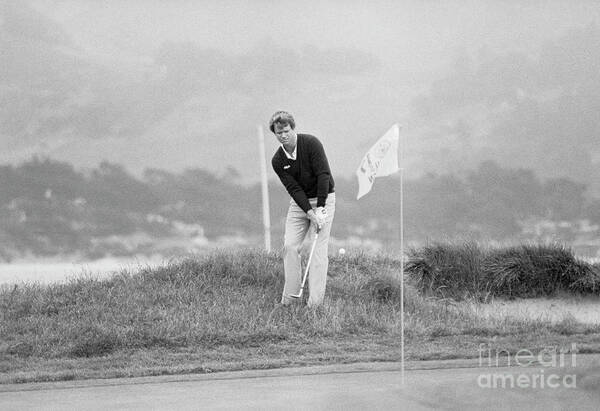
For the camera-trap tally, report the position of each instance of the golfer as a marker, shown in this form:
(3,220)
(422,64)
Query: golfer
(302,167)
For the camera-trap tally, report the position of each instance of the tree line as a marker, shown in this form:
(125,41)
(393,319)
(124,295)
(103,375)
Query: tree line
(48,207)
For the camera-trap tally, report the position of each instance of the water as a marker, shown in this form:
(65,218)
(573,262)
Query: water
(46,272)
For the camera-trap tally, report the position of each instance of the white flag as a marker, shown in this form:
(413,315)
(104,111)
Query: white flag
(381,160)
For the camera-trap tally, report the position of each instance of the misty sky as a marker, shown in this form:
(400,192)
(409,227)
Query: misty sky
(174,84)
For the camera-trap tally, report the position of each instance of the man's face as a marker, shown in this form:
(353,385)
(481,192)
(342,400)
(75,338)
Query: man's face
(285,134)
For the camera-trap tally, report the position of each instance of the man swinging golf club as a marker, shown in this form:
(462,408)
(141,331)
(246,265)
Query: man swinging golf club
(302,167)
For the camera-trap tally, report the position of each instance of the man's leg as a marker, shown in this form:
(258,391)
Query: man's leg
(317,274)
(296,225)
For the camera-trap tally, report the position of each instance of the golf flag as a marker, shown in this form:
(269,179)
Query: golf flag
(380,161)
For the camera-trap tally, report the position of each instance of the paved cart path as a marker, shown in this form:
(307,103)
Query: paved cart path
(359,386)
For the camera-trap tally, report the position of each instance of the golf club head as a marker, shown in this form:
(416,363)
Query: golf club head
(297,295)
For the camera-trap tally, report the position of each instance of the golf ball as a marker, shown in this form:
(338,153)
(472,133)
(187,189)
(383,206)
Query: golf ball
(342,251)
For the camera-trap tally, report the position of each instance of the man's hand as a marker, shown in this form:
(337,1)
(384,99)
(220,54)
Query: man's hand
(316,217)
(312,216)
(321,216)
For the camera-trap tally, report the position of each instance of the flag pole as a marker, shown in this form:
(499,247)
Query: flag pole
(401,260)
(265,189)
(380,161)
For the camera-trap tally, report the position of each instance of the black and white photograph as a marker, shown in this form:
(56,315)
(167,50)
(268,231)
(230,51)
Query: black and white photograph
(304,205)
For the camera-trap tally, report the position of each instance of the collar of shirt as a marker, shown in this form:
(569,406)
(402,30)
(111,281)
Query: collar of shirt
(288,155)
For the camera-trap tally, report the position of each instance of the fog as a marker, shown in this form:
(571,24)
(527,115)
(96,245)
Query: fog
(185,83)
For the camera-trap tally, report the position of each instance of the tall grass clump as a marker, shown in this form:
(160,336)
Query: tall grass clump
(466,270)
(448,270)
(537,270)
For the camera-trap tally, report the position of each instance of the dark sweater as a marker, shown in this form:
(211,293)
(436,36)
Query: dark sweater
(308,176)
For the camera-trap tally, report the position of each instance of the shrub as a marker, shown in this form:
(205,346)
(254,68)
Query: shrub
(460,271)
(448,270)
(534,270)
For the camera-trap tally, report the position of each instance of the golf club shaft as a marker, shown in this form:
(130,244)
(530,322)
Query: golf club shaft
(312,250)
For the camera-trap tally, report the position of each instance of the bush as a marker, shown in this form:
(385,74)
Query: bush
(535,270)
(448,270)
(459,271)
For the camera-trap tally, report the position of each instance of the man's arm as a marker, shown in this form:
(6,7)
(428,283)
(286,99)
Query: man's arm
(320,167)
(291,185)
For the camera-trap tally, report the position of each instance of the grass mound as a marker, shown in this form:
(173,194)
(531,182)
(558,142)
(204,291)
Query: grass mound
(209,312)
(226,298)
(467,270)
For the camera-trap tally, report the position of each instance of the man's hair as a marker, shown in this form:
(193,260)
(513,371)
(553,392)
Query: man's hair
(283,118)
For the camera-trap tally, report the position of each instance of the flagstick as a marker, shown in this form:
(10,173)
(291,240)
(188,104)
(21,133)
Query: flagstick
(402,269)
(369,168)
(401,262)
(265,189)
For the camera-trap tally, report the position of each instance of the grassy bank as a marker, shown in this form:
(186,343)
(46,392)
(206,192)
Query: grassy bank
(218,312)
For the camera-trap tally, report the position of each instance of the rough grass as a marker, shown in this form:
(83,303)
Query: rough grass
(221,310)
(226,298)
(469,270)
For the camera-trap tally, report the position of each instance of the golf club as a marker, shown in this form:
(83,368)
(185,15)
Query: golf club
(312,250)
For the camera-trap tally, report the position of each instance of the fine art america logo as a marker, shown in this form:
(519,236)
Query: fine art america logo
(553,373)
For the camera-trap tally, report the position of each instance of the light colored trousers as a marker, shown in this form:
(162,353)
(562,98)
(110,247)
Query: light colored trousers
(297,226)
